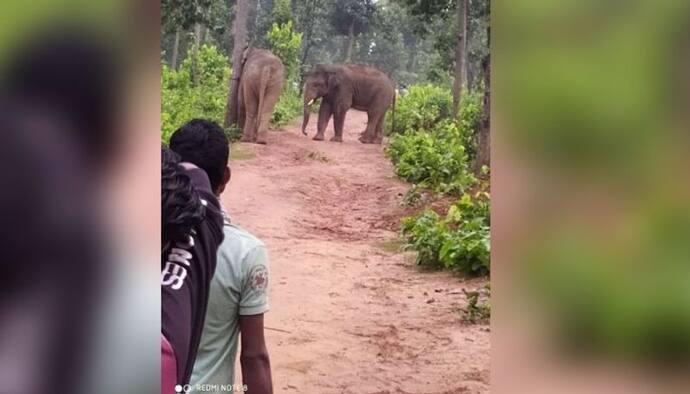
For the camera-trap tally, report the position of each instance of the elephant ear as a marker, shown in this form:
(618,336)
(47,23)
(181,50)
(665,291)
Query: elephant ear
(333,80)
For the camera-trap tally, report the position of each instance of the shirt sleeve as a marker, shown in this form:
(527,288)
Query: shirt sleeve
(254,297)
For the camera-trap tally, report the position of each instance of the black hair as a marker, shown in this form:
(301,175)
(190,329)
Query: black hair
(76,75)
(204,144)
(181,207)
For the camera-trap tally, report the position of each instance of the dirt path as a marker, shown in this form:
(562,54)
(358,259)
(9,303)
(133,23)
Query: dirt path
(349,314)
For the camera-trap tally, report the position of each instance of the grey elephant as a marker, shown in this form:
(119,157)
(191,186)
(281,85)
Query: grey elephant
(346,86)
(261,83)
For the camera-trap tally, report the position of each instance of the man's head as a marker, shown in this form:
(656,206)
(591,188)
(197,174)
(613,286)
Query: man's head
(204,144)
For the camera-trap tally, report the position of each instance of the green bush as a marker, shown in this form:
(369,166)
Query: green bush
(288,107)
(460,240)
(478,309)
(435,159)
(183,100)
(422,108)
(285,43)
(469,118)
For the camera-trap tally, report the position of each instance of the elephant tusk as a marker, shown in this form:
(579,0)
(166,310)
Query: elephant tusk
(310,102)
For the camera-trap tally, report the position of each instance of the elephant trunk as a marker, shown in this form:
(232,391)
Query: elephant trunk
(308,100)
(305,120)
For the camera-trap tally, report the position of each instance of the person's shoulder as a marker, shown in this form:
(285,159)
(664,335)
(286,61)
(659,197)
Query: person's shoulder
(239,241)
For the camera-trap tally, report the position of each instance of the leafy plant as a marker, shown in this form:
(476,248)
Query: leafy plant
(460,240)
(289,106)
(469,118)
(183,100)
(285,43)
(413,196)
(435,159)
(478,306)
(422,108)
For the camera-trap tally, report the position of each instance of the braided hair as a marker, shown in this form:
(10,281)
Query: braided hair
(181,207)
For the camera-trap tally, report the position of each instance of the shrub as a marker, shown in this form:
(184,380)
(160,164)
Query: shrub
(460,240)
(469,118)
(183,100)
(435,159)
(288,107)
(478,306)
(422,108)
(285,43)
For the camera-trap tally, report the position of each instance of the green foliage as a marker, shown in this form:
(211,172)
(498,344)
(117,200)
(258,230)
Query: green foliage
(288,107)
(422,108)
(281,12)
(435,159)
(478,307)
(434,152)
(285,43)
(355,13)
(469,118)
(182,100)
(460,240)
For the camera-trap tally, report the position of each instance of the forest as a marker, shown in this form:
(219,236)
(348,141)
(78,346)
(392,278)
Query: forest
(435,51)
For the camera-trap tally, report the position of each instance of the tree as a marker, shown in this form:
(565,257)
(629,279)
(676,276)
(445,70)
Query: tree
(282,13)
(460,81)
(484,144)
(240,43)
(351,18)
(176,50)
(285,43)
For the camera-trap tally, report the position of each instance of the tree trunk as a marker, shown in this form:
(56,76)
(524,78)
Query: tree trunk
(204,34)
(412,61)
(240,41)
(195,54)
(484,144)
(460,81)
(350,42)
(307,41)
(176,50)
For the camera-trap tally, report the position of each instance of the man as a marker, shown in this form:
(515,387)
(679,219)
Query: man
(238,296)
(191,224)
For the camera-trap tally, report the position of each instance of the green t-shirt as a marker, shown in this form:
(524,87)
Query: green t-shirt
(239,287)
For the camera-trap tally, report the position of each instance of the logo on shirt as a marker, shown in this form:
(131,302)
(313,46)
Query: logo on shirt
(175,270)
(258,278)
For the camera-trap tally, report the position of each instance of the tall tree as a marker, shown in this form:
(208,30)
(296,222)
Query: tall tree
(240,42)
(460,80)
(484,144)
(310,19)
(351,18)
(176,50)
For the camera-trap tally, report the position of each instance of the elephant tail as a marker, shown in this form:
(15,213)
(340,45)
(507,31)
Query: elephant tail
(263,85)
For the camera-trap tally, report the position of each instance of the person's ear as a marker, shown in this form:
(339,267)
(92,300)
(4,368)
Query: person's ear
(227,174)
(226,178)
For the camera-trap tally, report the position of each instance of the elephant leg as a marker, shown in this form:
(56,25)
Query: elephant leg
(242,110)
(325,113)
(379,129)
(338,123)
(369,135)
(251,105)
(270,99)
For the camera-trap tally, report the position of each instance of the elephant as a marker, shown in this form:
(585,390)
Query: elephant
(345,86)
(261,83)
